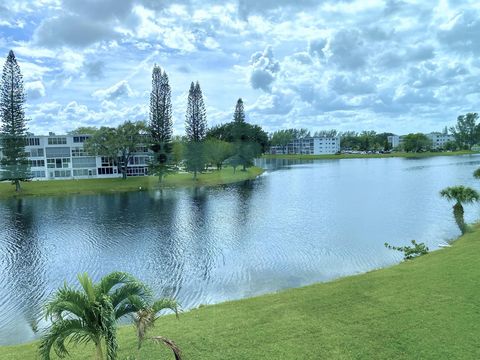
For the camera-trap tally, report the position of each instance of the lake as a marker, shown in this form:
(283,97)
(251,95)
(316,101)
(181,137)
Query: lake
(299,223)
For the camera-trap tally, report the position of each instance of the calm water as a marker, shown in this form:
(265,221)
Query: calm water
(299,223)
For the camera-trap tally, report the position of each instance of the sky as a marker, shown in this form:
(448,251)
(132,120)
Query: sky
(395,66)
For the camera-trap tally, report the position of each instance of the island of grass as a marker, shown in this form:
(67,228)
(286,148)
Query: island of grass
(113,185)
(367,156)
(427,308)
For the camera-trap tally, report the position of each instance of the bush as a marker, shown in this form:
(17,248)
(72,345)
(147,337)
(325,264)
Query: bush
(410,252)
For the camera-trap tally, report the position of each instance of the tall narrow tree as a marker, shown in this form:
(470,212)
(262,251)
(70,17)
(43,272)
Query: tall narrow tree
(161,123)
(14,163)
(196,130)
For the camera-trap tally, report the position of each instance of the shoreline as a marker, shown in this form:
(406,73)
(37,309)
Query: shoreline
(371,308)
(367,156)
(118,185)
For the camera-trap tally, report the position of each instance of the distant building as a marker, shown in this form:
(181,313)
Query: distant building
(63,157)
(309,146)
(439,139)
(394,141)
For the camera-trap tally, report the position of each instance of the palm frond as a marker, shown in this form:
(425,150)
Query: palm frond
(61,330)
(168,343)
(164,304)
(108,282)
(68,300)
(134,288)
(87,285)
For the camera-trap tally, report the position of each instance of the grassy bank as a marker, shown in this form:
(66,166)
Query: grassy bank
(367,156)
(428,308)
(96,186)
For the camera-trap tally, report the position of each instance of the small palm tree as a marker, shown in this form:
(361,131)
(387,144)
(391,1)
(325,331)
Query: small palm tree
(461,195)
(145,318)
(91,313)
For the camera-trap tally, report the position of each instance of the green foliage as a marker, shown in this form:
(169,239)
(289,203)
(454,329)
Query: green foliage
(195,157)
(286,136)
(90,314)
(476,174)
(410,252)
(83,130)
(364,141)
(450,146)
(466,131)
(416,143)
(160,125)
(118,144)
(14,163)
(196,116)
(239,114)
(217,151)
(461,194)
(231,133)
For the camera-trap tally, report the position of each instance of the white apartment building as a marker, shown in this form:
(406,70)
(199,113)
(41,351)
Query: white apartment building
(63,157)
(309,146)
(440,139)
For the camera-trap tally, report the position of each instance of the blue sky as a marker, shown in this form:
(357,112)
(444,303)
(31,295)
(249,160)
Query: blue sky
(392,65)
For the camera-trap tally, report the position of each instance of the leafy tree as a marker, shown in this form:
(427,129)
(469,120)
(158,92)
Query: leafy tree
(252,133)
(282,137)
(83,130)
(476,174)
(160,124)
(196,130)
(217,151)
(416,142)
(90,314)
(466,132)
(119,144)
(461,195)
(14,163)
(326,133)
(450,146)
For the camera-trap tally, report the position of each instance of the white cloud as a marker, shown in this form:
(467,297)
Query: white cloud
(119,90)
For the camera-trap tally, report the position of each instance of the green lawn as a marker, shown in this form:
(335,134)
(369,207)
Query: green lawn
(95,186)
(367,156)
(428,308)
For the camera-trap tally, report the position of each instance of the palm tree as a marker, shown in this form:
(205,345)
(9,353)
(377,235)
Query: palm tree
(145,318)
(461,195)
(91,313)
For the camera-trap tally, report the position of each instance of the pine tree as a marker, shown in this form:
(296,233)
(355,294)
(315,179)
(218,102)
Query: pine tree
(14,163)
(196,130)
(239,114)
(196,116)
(161,123)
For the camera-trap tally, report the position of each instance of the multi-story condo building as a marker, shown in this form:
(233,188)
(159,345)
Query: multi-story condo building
(309,146)
(63,157)
(439,139)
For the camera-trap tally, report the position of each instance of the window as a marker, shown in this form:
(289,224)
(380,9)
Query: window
(78,151)
(137,171)
(105,171)
(57,141)
(58,163)
(38,174)
(106,161)
(32,141)
(38,152)
(84,162)
(80,139)
(37,163)
(62,173)
(84,172)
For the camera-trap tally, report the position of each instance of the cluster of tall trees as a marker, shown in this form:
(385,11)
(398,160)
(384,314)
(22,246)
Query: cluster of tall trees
(235,143)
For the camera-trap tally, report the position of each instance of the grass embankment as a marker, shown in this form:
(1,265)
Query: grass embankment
(367,156)
(98,186)
(428,308)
